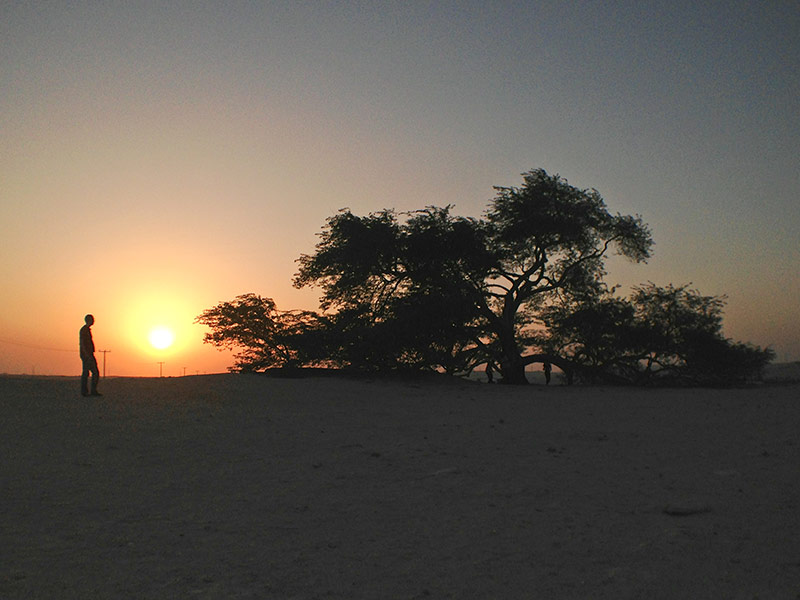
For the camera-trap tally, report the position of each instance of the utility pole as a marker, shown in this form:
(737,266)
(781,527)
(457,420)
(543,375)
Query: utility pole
(184,371)
(104,360)
(161,368)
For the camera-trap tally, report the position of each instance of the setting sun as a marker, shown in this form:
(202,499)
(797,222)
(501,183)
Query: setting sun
(161,338)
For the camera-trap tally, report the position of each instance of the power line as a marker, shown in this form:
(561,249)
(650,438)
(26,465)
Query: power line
(35,347)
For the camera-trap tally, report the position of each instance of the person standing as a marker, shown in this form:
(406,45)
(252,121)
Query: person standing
(547,368)
(88,359)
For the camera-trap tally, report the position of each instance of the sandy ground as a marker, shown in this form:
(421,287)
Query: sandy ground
(253,487)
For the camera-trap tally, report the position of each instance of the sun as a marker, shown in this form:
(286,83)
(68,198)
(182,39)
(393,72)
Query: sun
(161,338)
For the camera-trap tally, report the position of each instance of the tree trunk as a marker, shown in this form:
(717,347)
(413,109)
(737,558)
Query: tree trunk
(512,366)
(513,373)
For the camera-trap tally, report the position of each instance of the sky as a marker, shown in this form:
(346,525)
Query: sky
(158,158)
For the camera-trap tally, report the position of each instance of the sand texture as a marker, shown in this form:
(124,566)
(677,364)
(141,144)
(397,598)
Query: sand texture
(254,487)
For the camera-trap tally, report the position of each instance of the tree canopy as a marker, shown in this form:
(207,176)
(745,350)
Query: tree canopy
(544,238)
(523,283)
(265,336)
(660,334)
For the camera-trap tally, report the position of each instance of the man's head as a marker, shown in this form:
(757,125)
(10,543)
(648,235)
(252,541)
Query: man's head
(89,320)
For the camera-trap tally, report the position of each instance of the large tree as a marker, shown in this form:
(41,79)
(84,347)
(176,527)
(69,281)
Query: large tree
(496,274)
(401,294)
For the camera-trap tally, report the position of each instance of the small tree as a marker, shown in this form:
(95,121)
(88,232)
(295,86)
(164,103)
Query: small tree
(266,336)
(685,336)
(666,334)
(598,334)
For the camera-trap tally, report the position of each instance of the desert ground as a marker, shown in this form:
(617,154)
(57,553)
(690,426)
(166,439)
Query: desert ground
(247,486)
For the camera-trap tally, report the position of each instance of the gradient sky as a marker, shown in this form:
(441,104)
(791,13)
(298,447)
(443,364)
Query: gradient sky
(158,158)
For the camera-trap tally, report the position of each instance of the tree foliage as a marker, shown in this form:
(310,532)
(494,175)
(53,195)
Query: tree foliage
(522,284)
(265,336)
(669,334)
(544,237)
(402,292)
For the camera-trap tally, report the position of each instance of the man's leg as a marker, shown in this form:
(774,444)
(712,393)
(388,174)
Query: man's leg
(85,377)
(95,375)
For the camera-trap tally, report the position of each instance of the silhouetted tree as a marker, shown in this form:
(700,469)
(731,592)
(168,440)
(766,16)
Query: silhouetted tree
(522,284)
(266,336)
(597,333)
(496,273)
(661,334)
(684,335)
(401,292)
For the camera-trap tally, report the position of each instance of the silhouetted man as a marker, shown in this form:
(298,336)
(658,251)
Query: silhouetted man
(88,359)
(547,368)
